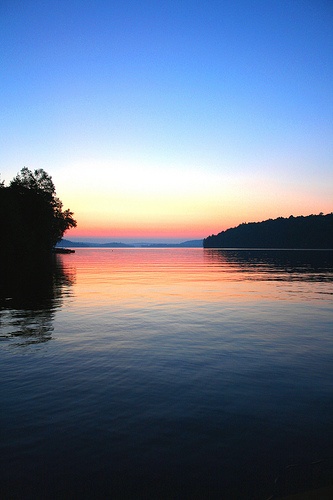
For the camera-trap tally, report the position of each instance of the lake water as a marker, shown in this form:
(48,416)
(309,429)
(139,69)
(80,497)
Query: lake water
(165,373)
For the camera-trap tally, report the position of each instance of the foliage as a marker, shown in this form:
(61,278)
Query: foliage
(32,217)
(38,181)
(312,231)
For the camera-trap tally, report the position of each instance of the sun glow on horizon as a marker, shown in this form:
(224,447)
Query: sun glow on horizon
(124,200)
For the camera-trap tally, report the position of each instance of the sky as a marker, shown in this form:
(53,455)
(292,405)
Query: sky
(170,120)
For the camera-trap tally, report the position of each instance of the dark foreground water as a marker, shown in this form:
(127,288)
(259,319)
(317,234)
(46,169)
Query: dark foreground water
(168,373)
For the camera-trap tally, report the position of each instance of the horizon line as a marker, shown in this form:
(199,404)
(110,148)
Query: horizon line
(129,240)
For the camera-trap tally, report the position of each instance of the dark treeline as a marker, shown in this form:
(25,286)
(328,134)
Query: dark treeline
(31,217)
(312,231)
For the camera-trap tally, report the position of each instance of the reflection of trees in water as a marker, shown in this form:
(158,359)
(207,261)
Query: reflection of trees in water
(29,295)
(305,264)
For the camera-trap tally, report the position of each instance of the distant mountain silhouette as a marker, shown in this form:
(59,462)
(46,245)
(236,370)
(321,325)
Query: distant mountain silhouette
(74,244)
(184,244)
(312,231)
(78,244)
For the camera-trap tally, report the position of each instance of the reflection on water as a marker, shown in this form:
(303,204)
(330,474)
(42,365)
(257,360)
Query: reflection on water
(256,271)
(310,265)
(174,373)
(29,295)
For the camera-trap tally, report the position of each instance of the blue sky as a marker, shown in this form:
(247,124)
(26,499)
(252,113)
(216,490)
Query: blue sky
(172,119)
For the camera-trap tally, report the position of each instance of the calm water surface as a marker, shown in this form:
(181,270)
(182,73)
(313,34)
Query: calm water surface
(165,373)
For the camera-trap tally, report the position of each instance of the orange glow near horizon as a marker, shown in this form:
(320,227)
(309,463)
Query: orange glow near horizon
(182,227)
(145,229)
(131,202)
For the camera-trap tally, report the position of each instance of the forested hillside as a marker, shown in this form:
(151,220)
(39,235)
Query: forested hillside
(312,231)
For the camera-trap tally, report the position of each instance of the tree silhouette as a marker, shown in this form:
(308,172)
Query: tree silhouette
(31,215)
(38,181)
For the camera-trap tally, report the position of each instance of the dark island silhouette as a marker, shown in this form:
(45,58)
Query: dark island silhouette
(302,232)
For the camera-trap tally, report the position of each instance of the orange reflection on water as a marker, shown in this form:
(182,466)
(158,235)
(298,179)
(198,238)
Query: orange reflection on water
(143,278)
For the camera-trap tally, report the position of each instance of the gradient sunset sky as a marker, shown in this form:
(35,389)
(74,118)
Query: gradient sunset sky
(170,119)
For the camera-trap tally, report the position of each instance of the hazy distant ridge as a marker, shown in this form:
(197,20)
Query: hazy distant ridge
(312,231)
(76,244)
(184,244)
(79,244)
